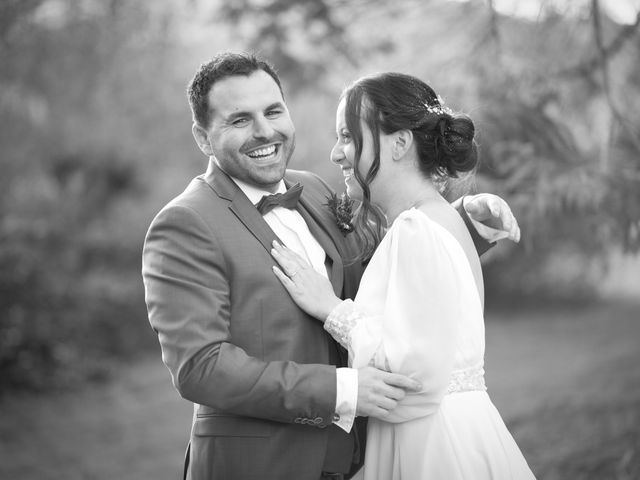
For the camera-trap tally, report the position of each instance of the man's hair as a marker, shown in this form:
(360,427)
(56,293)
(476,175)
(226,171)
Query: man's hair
(223,65)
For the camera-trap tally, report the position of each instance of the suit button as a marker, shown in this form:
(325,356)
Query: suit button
(336,417)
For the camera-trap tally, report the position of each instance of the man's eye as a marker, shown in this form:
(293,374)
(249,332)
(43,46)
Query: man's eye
(239,122)
(273,113)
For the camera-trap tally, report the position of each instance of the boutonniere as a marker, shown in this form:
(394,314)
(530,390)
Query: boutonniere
(342,209)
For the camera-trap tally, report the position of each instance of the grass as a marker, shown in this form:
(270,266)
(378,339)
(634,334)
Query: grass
(566,381)
(567,384)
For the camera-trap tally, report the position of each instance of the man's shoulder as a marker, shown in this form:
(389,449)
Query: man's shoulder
(197,192)
(197,197)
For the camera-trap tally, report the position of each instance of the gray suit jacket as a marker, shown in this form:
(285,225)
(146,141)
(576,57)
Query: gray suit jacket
(260,372)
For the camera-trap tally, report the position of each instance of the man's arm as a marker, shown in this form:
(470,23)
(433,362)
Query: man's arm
(488,218)
(187,296)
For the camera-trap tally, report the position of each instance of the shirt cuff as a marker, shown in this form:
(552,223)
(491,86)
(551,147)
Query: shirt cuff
(346,398)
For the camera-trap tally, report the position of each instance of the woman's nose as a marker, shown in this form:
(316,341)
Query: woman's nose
(336,155)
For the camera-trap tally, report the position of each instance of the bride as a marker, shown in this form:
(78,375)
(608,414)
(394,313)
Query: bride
(419,309)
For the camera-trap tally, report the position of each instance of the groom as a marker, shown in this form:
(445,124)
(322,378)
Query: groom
(271,397)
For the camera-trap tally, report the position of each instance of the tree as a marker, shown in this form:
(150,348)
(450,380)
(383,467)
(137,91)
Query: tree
(70,291)
(557,141)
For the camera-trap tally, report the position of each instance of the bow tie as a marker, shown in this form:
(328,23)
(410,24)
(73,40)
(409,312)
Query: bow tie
(288,199)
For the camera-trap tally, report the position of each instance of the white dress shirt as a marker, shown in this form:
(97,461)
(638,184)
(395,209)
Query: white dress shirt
(291,228)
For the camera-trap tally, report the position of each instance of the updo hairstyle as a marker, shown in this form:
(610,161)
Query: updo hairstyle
(387,103)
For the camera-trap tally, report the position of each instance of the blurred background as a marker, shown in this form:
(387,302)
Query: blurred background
(96,138)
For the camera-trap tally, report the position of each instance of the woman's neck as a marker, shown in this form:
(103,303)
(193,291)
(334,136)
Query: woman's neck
(408,192)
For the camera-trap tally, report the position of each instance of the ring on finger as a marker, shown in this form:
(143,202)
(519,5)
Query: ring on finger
(293,274)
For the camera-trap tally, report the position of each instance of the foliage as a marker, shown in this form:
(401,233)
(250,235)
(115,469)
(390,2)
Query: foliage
(559,128)
(558,148)
(96,138)
(70,290)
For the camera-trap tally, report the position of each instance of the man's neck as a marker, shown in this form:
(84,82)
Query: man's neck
(255,192)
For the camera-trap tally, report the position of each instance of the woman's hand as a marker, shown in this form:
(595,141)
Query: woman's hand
(311,291)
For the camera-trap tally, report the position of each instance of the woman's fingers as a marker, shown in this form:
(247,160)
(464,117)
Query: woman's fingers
(290,261)
(288,253)
(284,279)
(283,258)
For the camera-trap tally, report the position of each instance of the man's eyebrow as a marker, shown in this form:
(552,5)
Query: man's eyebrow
(275,105)
(234,115)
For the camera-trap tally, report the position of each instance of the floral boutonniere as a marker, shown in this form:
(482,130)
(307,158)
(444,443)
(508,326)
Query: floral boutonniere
(342,209)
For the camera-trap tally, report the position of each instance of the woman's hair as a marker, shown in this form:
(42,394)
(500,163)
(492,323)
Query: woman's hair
(387,103)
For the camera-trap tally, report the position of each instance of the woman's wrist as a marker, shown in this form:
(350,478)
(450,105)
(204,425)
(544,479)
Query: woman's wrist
(329,307)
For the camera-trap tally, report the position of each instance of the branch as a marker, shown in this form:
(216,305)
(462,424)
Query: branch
(606,84)
(493,24)
(585,68)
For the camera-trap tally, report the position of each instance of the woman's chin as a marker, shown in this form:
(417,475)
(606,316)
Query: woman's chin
(355,193)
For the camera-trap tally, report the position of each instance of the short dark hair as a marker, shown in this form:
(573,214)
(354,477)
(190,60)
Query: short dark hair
(221,66)
(389,102)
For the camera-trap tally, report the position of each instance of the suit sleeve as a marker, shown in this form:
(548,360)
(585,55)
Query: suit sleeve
(482,245)
(188,300)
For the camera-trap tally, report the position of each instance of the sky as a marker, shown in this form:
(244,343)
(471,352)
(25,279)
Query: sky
(622,11)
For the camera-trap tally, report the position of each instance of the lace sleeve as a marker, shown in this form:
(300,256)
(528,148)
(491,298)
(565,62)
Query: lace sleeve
(341,322)
(357,331)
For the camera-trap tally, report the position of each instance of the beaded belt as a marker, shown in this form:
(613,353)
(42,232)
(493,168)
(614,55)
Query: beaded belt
(467,380)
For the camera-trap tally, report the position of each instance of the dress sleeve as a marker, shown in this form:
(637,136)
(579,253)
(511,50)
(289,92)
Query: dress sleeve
(405,316)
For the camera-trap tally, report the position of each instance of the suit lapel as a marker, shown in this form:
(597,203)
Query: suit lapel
(318,220)
(240,205)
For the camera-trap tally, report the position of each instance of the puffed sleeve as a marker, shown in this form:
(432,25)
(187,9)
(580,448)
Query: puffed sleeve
(405,316)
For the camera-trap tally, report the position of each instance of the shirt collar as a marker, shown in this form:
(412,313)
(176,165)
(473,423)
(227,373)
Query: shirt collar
(253,193)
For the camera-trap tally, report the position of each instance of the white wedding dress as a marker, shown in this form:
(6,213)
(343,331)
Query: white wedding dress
(418,312)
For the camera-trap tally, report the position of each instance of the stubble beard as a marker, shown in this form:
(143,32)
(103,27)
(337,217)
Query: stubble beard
(264,177)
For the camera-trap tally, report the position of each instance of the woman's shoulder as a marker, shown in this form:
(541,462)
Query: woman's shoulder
(415,219)
(414,227)
(429,226)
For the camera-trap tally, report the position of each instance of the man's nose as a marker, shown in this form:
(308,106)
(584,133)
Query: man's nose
(262,128)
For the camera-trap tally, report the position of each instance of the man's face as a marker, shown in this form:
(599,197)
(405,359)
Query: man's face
(251,133)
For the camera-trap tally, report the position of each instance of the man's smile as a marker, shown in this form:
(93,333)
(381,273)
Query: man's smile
(264,153)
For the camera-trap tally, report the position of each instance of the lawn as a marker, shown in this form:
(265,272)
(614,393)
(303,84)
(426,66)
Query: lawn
(566,380)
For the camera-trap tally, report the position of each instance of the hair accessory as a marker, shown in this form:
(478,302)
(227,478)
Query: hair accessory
(438,109)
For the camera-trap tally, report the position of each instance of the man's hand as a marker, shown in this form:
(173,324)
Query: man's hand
(493,212)
(379,392)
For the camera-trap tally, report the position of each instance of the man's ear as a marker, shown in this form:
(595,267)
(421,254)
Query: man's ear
(402,143)
(202,139)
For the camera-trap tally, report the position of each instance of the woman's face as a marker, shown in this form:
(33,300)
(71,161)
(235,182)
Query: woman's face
(344,152)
